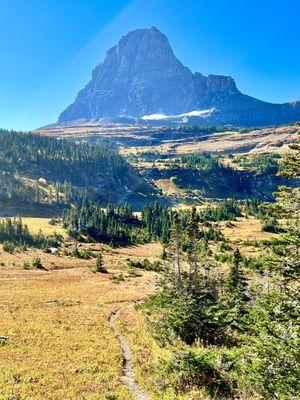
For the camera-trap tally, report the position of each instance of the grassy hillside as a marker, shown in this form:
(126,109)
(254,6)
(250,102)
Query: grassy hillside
(193,177)
(46,174)
(184,139)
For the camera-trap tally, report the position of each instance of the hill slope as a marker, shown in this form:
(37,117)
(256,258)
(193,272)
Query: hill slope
(44,171)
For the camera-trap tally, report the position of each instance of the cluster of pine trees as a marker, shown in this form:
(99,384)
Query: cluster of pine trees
(119,225)
(16,190)
(206,173)
(238,337)
(64,171)
(112,225)
(226,210)
(262,164)
(58,160)
(158,220)
(214,178)
(202,161)
(14,231)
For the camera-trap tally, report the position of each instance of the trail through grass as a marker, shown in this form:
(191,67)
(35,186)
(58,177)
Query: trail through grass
(128,377)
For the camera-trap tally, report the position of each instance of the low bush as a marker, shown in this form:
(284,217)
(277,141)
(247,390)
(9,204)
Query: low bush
(145,264)
(84,254)
(269,225)
(37,263)
(132,273)
(8,246)
(100,265)
(117,278)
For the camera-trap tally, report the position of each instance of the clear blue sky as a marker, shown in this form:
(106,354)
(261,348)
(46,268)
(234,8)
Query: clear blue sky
(49,47)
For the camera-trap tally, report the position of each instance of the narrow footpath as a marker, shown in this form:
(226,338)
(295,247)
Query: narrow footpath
(128,377)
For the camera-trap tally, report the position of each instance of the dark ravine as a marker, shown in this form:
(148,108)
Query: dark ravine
(128,377)
(141,77)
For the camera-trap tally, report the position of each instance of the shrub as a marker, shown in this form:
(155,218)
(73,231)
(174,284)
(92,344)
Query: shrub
(84,254)
(37,263)
(145,264)
(99,264)
(26,265)
(224,246)
(225,257)
(117,278)
(208,369)
(8,246)
(133,273)
(269,225)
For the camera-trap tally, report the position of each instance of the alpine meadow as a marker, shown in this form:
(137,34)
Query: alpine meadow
(150,236)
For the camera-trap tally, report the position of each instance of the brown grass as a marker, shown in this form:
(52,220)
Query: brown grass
(266,140)
(59,343)
(246,229)
(37,224)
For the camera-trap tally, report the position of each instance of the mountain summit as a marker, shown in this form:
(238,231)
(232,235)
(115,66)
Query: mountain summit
(140,77)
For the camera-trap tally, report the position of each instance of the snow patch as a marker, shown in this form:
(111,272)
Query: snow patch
(195,113)
(154,117)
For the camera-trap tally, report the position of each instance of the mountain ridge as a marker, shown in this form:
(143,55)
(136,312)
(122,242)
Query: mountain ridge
(141,76)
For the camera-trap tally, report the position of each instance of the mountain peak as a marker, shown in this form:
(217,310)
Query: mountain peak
(141,76)
(144,44)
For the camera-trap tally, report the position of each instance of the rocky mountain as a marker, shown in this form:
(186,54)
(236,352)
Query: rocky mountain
(142,80)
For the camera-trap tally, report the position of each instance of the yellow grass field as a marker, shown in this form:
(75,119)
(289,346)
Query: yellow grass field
(246,229)
(37,224)
(57,341)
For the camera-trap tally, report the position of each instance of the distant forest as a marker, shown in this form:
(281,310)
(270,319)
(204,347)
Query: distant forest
(45,175)
(215,179)
(120,226)
(38,169)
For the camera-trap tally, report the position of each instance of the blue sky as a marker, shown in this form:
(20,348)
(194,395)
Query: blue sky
(49,47)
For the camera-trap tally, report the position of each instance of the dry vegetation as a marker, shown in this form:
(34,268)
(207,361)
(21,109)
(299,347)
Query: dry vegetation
(169,188)
(57,343)
(246,230)
(266,140)
(43,224)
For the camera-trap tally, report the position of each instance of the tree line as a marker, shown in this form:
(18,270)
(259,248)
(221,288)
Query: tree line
(16,233)
(40,169)
(120,225)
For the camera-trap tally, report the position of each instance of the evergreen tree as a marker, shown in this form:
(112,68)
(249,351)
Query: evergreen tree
(175,249)
(236,280)
(193,242)
(271,366)
(100,263)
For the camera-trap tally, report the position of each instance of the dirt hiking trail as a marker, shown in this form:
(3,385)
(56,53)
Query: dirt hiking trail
(128,377)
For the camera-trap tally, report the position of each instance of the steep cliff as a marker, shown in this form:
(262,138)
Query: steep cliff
(141,77)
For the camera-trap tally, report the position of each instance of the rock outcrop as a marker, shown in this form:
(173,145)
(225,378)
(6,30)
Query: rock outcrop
(141,76)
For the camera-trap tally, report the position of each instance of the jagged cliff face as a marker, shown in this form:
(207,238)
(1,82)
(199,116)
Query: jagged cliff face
(141,76)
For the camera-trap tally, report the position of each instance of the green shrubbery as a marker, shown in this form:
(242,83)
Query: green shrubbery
(8,246)
(100,264)
(84,254)
(231,337)
(145,264)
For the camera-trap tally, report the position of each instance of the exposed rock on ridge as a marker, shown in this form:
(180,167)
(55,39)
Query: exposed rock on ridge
(141,76)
